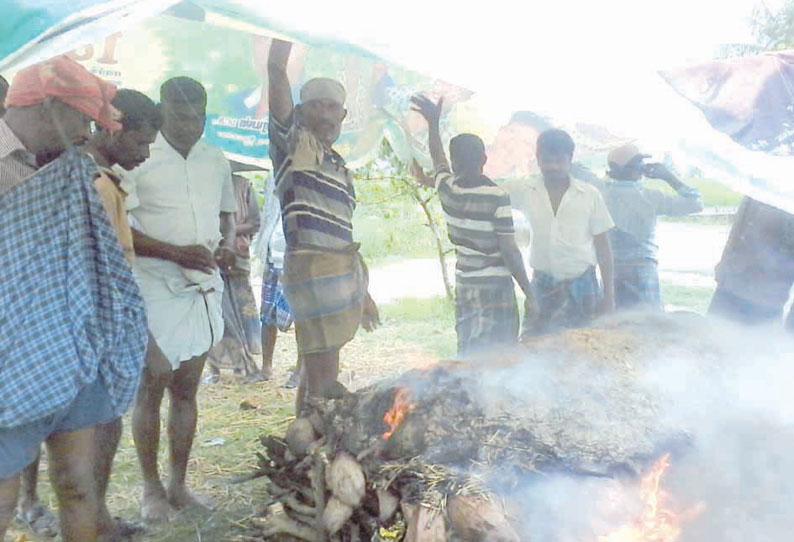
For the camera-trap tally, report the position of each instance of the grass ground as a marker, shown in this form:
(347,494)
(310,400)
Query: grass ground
(414,333)
(233,414)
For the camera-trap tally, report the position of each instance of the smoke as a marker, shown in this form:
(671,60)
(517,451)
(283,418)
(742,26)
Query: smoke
(720,396)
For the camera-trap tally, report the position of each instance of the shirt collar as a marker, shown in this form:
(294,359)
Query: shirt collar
(576,184)
(162,143)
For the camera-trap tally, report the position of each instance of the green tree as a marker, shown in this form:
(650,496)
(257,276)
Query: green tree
(773,30)
(384,181)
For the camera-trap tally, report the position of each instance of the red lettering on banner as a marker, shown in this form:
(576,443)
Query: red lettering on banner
(109,54)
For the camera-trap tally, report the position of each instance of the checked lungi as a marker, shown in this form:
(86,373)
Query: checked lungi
(486,316)
(562,304)
(325,289)
(637,286)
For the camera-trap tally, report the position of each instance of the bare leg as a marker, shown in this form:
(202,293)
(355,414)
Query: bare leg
(29,483)
(269,334)
(72,475)
(9,491)
(107,437)
(37,515)
(318,379)
(182,419)
(146,432)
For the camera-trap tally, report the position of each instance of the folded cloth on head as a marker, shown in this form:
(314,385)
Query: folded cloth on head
(63,78)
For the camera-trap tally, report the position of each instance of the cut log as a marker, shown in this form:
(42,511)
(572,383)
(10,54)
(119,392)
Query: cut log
(424,525)
(300,434)
(387,504)
(476,519)
(345,479)
(335,515)
(281,524)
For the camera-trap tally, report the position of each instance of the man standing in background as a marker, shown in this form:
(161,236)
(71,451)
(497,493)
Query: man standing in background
(240,345)
(570,224)
(634,209)
(275,312)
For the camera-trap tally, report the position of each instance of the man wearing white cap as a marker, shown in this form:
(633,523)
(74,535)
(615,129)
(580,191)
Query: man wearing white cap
(325,280)
(634,209)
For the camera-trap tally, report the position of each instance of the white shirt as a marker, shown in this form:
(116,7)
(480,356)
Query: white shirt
(179,201)
(270,244)
(562,245)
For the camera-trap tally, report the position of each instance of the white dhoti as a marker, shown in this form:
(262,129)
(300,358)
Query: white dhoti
(184,308)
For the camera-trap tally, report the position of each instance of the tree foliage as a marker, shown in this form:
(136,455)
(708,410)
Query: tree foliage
(774,30)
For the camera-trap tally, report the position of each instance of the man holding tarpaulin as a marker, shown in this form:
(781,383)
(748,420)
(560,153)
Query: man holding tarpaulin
(73,355)
(325,279)
(480,223)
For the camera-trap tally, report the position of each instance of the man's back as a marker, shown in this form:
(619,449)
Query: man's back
(477,212)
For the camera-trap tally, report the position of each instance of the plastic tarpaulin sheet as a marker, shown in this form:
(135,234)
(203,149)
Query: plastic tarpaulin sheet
(513,73)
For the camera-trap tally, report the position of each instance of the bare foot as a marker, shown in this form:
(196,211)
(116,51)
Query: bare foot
(181,498)
(154,505)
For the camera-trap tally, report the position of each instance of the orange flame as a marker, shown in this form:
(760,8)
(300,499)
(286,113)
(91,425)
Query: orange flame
(658,522)
(396,414)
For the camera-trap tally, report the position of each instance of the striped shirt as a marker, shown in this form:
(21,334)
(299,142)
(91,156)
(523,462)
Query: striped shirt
(478,211)
(314,187)
(16,162)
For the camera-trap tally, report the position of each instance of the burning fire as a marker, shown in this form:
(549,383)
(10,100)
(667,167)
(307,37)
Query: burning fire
(658,522)
(396,414)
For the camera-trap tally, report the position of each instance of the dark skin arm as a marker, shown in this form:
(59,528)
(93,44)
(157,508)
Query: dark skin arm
(225,256)
(190,257)
(660,171)
(605,263)
(514,262)
(432,114)
(279,91)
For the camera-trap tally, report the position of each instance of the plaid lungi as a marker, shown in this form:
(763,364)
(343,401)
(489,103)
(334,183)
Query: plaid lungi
(485,316)
(637,286)
(275,309)
(561,304)
(325,290)
(241,341)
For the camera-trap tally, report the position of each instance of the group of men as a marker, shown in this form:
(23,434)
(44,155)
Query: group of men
(577,228)
(131,263)
(118,220)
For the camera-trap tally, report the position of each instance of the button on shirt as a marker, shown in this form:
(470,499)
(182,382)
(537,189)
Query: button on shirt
(179,200)
(562,245)
(16,163)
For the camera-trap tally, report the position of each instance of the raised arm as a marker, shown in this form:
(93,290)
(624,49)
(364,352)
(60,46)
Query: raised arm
(432,114)
(686,201)
(279,91)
